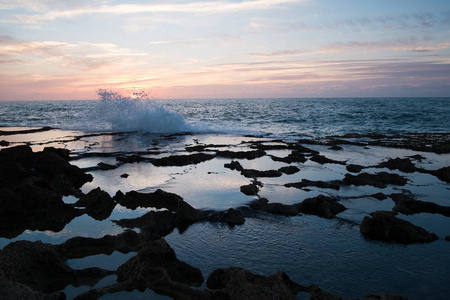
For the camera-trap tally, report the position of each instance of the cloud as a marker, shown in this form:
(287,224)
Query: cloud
(121,9)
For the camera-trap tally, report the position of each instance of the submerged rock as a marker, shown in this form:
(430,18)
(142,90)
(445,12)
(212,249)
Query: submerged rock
(320,184)
(408,205)
(275,208)
(384,226)
(324,160)
(181,160)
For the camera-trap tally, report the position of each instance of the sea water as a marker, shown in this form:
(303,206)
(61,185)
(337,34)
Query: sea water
(276,117)
(330,253)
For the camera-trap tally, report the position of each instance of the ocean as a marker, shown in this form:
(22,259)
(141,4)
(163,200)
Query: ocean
(316,117)
(311,250)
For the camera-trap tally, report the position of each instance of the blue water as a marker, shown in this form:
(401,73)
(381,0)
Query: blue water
(277,117)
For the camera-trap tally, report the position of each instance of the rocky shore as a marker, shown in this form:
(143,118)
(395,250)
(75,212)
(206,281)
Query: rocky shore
(33,184)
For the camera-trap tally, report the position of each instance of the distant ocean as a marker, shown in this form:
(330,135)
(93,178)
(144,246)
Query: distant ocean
(285,118)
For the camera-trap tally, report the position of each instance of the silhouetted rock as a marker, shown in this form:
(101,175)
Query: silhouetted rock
(156,267)
(153,225)
(231,217)
(181,160)
(275,208)
(40,267)
(443,174)
(234,165)
(157,199)
(79,247)
(379,180)
(14,290)
(447,238)
(324,160)
(250,189)
(289,170)
(354,168)
(321,184)
(98,204)
(384,226)
(401,164)
(237,283)
(241,154)
(322,206)
(408,205)
(251,173)
(4,143)
(379,196)
(294,156)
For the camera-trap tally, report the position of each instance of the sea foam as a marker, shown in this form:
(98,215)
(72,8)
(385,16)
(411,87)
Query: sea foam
(137,113)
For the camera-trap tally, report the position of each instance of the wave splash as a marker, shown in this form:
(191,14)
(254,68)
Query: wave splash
(137,113)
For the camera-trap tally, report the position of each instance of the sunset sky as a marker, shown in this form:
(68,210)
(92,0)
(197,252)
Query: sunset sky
(56,49)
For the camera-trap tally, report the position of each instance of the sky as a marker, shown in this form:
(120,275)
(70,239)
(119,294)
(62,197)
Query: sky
(67,50)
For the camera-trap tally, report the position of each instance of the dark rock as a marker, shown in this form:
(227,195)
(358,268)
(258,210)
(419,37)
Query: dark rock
(155,264)
(98,204)
(388,228)
(25,131)
(40,267)
(443,174)
(289,170)
(234,165)
(237,283)
(385,297)
(251,173)
(275,208)
(447,238)
(79,247)
(181,160)
(408,205)
(4,143)
(15,290)
(157,199)
(294,156)
(324,160)
(322,206)
(379,196)
(232,217)
(320,184)
(354,168)
(250,189)
(125,175)
(241,154)
(379,180)
(131,159)
(105,167)
(401,164)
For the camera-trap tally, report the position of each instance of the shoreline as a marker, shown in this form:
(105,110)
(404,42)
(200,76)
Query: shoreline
(255,170)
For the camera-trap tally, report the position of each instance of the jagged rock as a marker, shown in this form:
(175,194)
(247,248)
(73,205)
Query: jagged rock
(354,168)
(79,247)
(131,159)
(321,206)
(15,290)
(294,156)
(324,160)
(250,189)
(237,283)
(401,164)
(386,227)
(181,160)
(234,165)
(98,204)
(232,217)
(40,267)
(4,143)
(289,170)
(379,180)
(321,184)
(275,208)
(443,174)
(241,154)
(408,205)
(157,199)
(154,224)
(105,167)
(155,264)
